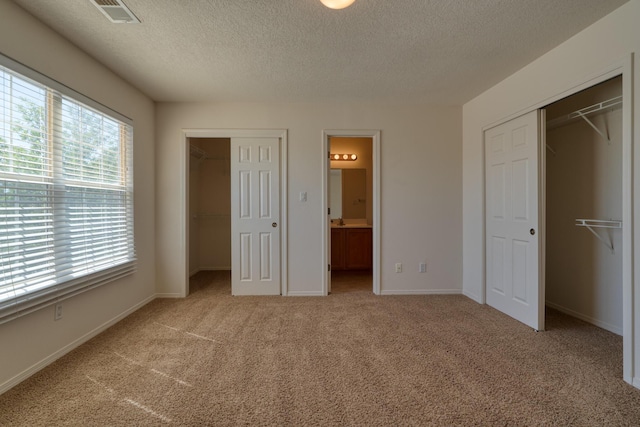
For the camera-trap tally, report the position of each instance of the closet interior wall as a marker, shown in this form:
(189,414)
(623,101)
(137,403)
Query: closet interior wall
(584,181)
(209,204)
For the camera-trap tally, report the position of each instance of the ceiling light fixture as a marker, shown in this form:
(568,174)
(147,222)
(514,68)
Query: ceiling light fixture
(337,4)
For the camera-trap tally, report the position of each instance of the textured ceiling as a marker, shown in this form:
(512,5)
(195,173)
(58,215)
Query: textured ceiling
(396,51)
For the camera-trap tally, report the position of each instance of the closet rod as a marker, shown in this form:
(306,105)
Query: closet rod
(590,224)
(585,112)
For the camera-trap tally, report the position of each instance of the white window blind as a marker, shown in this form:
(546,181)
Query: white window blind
(66,192)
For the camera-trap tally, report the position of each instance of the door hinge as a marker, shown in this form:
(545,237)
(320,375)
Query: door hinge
(328,154)
(329,211)
(328,267)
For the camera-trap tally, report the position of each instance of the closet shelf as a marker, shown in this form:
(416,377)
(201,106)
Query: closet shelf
(198,153)
(590,224)
(201,155)
(583,113)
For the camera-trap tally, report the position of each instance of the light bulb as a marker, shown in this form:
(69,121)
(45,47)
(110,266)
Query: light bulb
(337,4)
(353,157)
(336,156)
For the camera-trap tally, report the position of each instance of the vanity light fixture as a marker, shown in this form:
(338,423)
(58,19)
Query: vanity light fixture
(341,157)
(337,4)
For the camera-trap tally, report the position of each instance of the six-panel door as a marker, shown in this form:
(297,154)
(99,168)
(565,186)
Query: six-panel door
(255,216)
(512,219)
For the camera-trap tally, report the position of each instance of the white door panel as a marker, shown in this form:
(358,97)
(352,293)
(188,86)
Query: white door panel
(255,212)
(512,219)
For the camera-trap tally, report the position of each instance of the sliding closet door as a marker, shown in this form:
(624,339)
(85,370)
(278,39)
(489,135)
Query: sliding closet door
(255,216)
(512,212)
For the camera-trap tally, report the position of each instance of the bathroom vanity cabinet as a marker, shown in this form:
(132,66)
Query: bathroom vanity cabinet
(351,248)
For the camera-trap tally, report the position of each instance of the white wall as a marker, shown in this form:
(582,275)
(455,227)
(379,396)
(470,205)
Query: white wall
(584,180)
(589,53)
(32,341)
(420,189)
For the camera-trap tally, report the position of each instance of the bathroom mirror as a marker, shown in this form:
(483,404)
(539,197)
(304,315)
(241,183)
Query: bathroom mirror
(348,193)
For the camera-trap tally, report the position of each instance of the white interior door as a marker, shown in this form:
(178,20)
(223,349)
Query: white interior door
(255,216)
(512,180)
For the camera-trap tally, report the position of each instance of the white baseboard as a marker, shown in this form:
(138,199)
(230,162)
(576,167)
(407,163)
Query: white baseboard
(170,295)
(423,292)
(636,382)
(588,319)
(71,346)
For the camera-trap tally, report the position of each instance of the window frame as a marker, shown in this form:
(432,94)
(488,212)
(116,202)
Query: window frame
(73,284)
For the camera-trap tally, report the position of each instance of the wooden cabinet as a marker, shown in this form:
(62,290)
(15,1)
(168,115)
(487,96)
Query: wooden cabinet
(337,249)
(351,249)
(358,249)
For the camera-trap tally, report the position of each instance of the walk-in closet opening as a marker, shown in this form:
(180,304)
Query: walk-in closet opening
(583,245)
(351,212)
(209,208)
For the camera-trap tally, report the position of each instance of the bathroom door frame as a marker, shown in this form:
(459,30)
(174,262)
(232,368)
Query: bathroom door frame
(374,134)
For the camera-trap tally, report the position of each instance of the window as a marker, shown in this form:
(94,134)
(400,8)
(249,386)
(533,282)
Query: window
(66,192)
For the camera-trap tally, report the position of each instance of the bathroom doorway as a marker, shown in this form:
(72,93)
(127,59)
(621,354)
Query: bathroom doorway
(352,205)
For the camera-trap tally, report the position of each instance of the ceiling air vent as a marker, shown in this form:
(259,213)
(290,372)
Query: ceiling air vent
(116,11)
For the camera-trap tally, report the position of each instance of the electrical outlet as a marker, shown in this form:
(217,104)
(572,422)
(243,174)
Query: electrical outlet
(399,267)
(57,315)
(423,267)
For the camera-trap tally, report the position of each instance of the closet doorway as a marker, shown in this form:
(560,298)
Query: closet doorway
(234,209)
(554,200)
(209,204)
(584,203)
(351,202)
(585,222)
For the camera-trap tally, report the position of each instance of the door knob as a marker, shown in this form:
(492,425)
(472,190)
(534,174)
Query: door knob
(532,231)
(274,225)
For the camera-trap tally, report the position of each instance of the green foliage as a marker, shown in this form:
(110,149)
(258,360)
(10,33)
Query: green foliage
(91,148)
(90,144)
(27,152)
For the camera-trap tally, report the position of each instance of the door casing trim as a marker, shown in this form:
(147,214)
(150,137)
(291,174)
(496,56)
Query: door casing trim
(184,208)
(351,133)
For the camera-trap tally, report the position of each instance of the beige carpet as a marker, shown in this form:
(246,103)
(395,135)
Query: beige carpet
(348,359)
